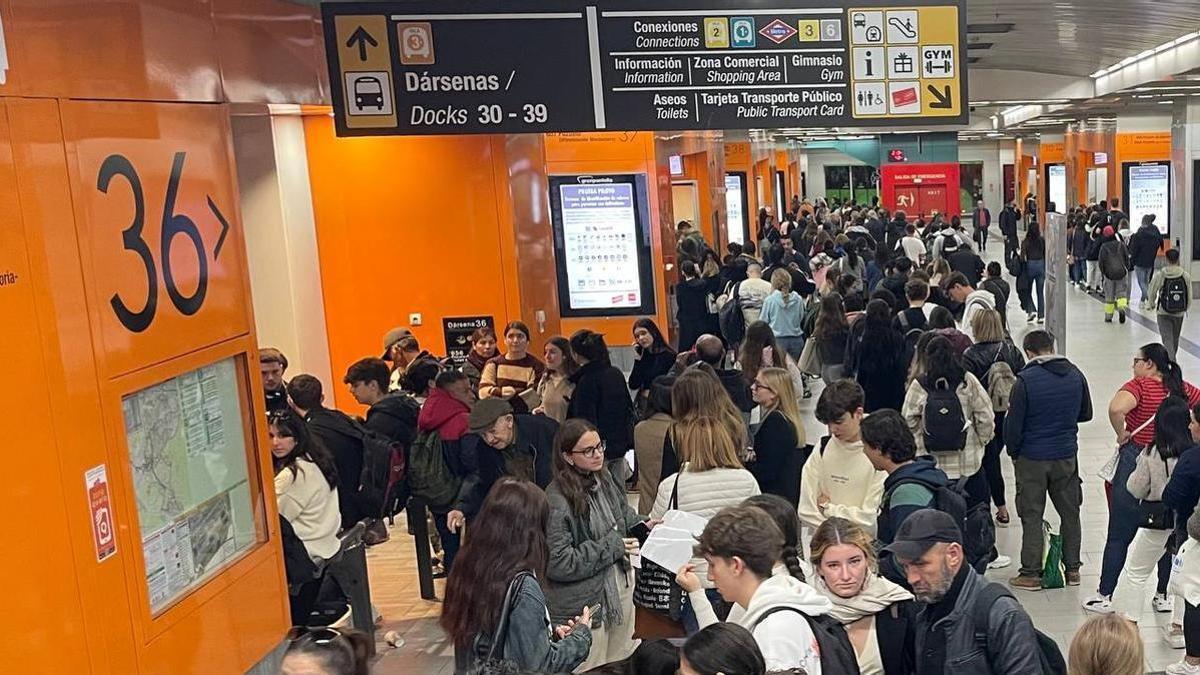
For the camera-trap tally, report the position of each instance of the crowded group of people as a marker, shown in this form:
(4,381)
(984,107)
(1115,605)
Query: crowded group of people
(861,551)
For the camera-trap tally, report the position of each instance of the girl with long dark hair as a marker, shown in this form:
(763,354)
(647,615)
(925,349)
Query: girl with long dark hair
(590,543)
(508,546)
(555,386)
(483,349)
(759,350)
(652,357)
(876,359)
(1154,467)
(722,649)
(306,480)
(1033,250)
(831,332)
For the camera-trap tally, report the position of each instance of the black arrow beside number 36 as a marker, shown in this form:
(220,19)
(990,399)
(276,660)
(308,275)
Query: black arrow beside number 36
(172,224)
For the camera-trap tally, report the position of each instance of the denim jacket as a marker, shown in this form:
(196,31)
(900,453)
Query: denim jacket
(529,642)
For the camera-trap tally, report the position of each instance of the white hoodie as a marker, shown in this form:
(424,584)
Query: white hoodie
(976,300)
(785,638)
(844,473)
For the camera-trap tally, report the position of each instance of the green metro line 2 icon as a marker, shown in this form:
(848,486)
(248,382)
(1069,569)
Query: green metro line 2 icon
(742,32)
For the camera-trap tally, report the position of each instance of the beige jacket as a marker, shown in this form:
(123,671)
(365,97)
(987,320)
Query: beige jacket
(981,425)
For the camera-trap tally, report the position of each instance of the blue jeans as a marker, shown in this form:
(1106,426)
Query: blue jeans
(1037,275)
(1143,278)
(1078,270)
(1123,525)
(793,345)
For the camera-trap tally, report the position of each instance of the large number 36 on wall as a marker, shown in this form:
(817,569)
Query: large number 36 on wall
(172,225)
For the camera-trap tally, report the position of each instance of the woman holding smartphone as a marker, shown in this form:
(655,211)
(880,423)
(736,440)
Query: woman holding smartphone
(590,543)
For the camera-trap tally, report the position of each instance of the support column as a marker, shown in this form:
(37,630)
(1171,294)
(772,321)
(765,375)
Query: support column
(1185,153)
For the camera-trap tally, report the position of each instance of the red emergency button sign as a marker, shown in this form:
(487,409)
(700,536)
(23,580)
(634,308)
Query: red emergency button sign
(103,534)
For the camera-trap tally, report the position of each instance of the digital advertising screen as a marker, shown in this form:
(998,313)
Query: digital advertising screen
(737,212)
(1148,190)
(602,245)
(1056,187)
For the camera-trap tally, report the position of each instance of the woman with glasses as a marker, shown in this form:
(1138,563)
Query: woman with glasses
(590,543)
(1133,416)
(508,549)
(306,482)
(326,651)
(780,434)
(513,375)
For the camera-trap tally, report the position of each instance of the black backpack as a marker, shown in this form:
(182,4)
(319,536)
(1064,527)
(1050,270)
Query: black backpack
(978,528)
(945,422)
(837,654)
(730,318)
(1048,652)
(1173,297)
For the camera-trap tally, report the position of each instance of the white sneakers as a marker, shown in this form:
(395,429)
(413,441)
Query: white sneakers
(1001,562)
(1173,635)
(1100,604)
(1182,668)
(1163,603)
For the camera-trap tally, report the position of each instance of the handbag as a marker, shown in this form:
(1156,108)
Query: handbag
(655,588)
(810,359)
(1155,515)
(491,660)
(1109,470)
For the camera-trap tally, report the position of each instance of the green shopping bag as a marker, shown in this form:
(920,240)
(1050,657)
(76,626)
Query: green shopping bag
(1053,572)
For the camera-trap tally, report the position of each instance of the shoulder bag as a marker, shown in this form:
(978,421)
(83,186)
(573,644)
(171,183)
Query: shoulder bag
(1156,515)
(655,588)
(494,658)
(1109,470)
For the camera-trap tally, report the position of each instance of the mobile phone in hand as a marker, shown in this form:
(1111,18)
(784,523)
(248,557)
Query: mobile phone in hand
(640,531)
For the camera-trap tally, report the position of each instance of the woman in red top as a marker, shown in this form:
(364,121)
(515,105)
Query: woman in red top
(1131,413)
(1155,376)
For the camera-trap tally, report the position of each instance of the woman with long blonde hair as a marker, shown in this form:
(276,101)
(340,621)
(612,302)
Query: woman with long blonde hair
(1107,645)
(698,392)
(777,463)
(876,613)
(710,479)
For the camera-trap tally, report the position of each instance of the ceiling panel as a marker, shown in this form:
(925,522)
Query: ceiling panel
(1077,37)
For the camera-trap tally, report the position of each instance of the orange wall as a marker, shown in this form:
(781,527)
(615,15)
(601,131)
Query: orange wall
(404,225)
(81,614)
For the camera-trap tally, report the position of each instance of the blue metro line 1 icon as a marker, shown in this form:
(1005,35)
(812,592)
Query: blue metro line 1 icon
(742,32)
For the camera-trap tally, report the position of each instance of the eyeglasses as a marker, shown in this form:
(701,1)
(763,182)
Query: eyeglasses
(1138,358)
(594,451)
(756,385)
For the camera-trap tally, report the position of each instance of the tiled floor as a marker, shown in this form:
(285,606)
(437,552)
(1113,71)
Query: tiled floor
(1102,350)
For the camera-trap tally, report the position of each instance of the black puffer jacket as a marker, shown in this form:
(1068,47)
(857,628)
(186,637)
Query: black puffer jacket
(602,398)
(1144,245)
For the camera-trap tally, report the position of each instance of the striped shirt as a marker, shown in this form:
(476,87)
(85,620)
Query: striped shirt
(1150,393)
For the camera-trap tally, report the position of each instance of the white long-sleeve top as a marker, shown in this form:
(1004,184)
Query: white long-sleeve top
(845,474)
(703,493)
(311,506)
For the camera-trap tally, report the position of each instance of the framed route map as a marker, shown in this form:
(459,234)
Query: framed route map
(190,470)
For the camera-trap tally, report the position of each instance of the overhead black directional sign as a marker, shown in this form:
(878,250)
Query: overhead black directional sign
(511,66)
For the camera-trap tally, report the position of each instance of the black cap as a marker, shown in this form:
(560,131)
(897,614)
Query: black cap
(922,530)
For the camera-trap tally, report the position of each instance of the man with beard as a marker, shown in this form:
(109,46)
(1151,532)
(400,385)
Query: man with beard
(966,626)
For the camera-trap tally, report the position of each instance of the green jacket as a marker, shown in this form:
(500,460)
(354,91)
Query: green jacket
(1156,284)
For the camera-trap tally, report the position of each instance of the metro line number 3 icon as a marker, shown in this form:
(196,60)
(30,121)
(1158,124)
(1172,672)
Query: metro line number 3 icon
(172,225)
